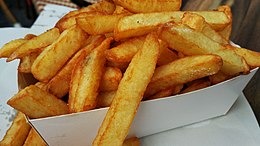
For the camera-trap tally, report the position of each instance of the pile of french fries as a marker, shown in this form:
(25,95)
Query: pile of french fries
(116,54)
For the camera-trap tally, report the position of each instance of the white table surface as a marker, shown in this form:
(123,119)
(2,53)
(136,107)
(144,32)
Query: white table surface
(239,127)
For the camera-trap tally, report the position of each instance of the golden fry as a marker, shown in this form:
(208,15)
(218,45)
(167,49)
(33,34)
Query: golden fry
(146,6)
(182,71)
(141,24)
(26,62)
(34,139)
(190,42)
(35,44)
(105,98)
(86,78)
(133,141)
(17,133)
(219,77)
(125,51)
(37,103)
(10,47)
(196,85)
(166,55)
(226,32)
(129,94)
(110,79)
(59,84)
(167,92)
(51,60)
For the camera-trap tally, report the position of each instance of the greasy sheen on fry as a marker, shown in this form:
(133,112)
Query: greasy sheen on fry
(17,132)
(129,95)
(182,71)
(42,105)
(59,84)
(86,78)
(35,44)
(51,60)
(190,42)
(147,6)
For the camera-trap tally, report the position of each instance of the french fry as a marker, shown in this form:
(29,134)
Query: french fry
(226,32)
(10,47)
(190,42)
(141,24)
(219,77)
(129,94)
(35,44)
(26,62)
(133,141)
(50,61)
(29,36)
(98,24)
(166,55)
(34,139)
(121,65)
(167,92)
(17,133)
(125,51)
(66,23)
(37,103)
(137,6)
(105,98)
(110,79)
(43,86)
(182,71)
(199,24)
(196,85)
(121,10)
(252,58)
(59,84)
(87,75)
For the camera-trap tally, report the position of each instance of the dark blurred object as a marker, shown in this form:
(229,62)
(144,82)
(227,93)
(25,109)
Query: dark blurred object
(7,12)
(81,3)
(245,32)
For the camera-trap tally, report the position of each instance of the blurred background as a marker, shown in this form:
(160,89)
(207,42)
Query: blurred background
(245,30)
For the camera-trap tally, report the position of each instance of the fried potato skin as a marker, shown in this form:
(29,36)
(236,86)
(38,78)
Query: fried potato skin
(110,79)
(34,139)
(129,95)
(182,71)
(17,133)
(10,47)
(147,6)
(42,105)
(51,60)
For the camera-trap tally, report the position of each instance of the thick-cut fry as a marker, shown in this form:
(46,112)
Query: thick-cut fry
(98,24)
(226,32)
(29,36)
(166,55)
(66,23)
(219,77)
(182,71)
(34,139)
(147,6)
(167,92)
(42,105)
(110,79)
(140,24)
(10,47)
(129,95)
(35,44)
(50,61)
(199,24)
(59,84)
(121,65)
(196,85)
(88,74)
(190,42)
(252,58)
(125,51)
(41,85)
(105,98)
(17,133)
(121,10)
(133,141)
(26,62)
